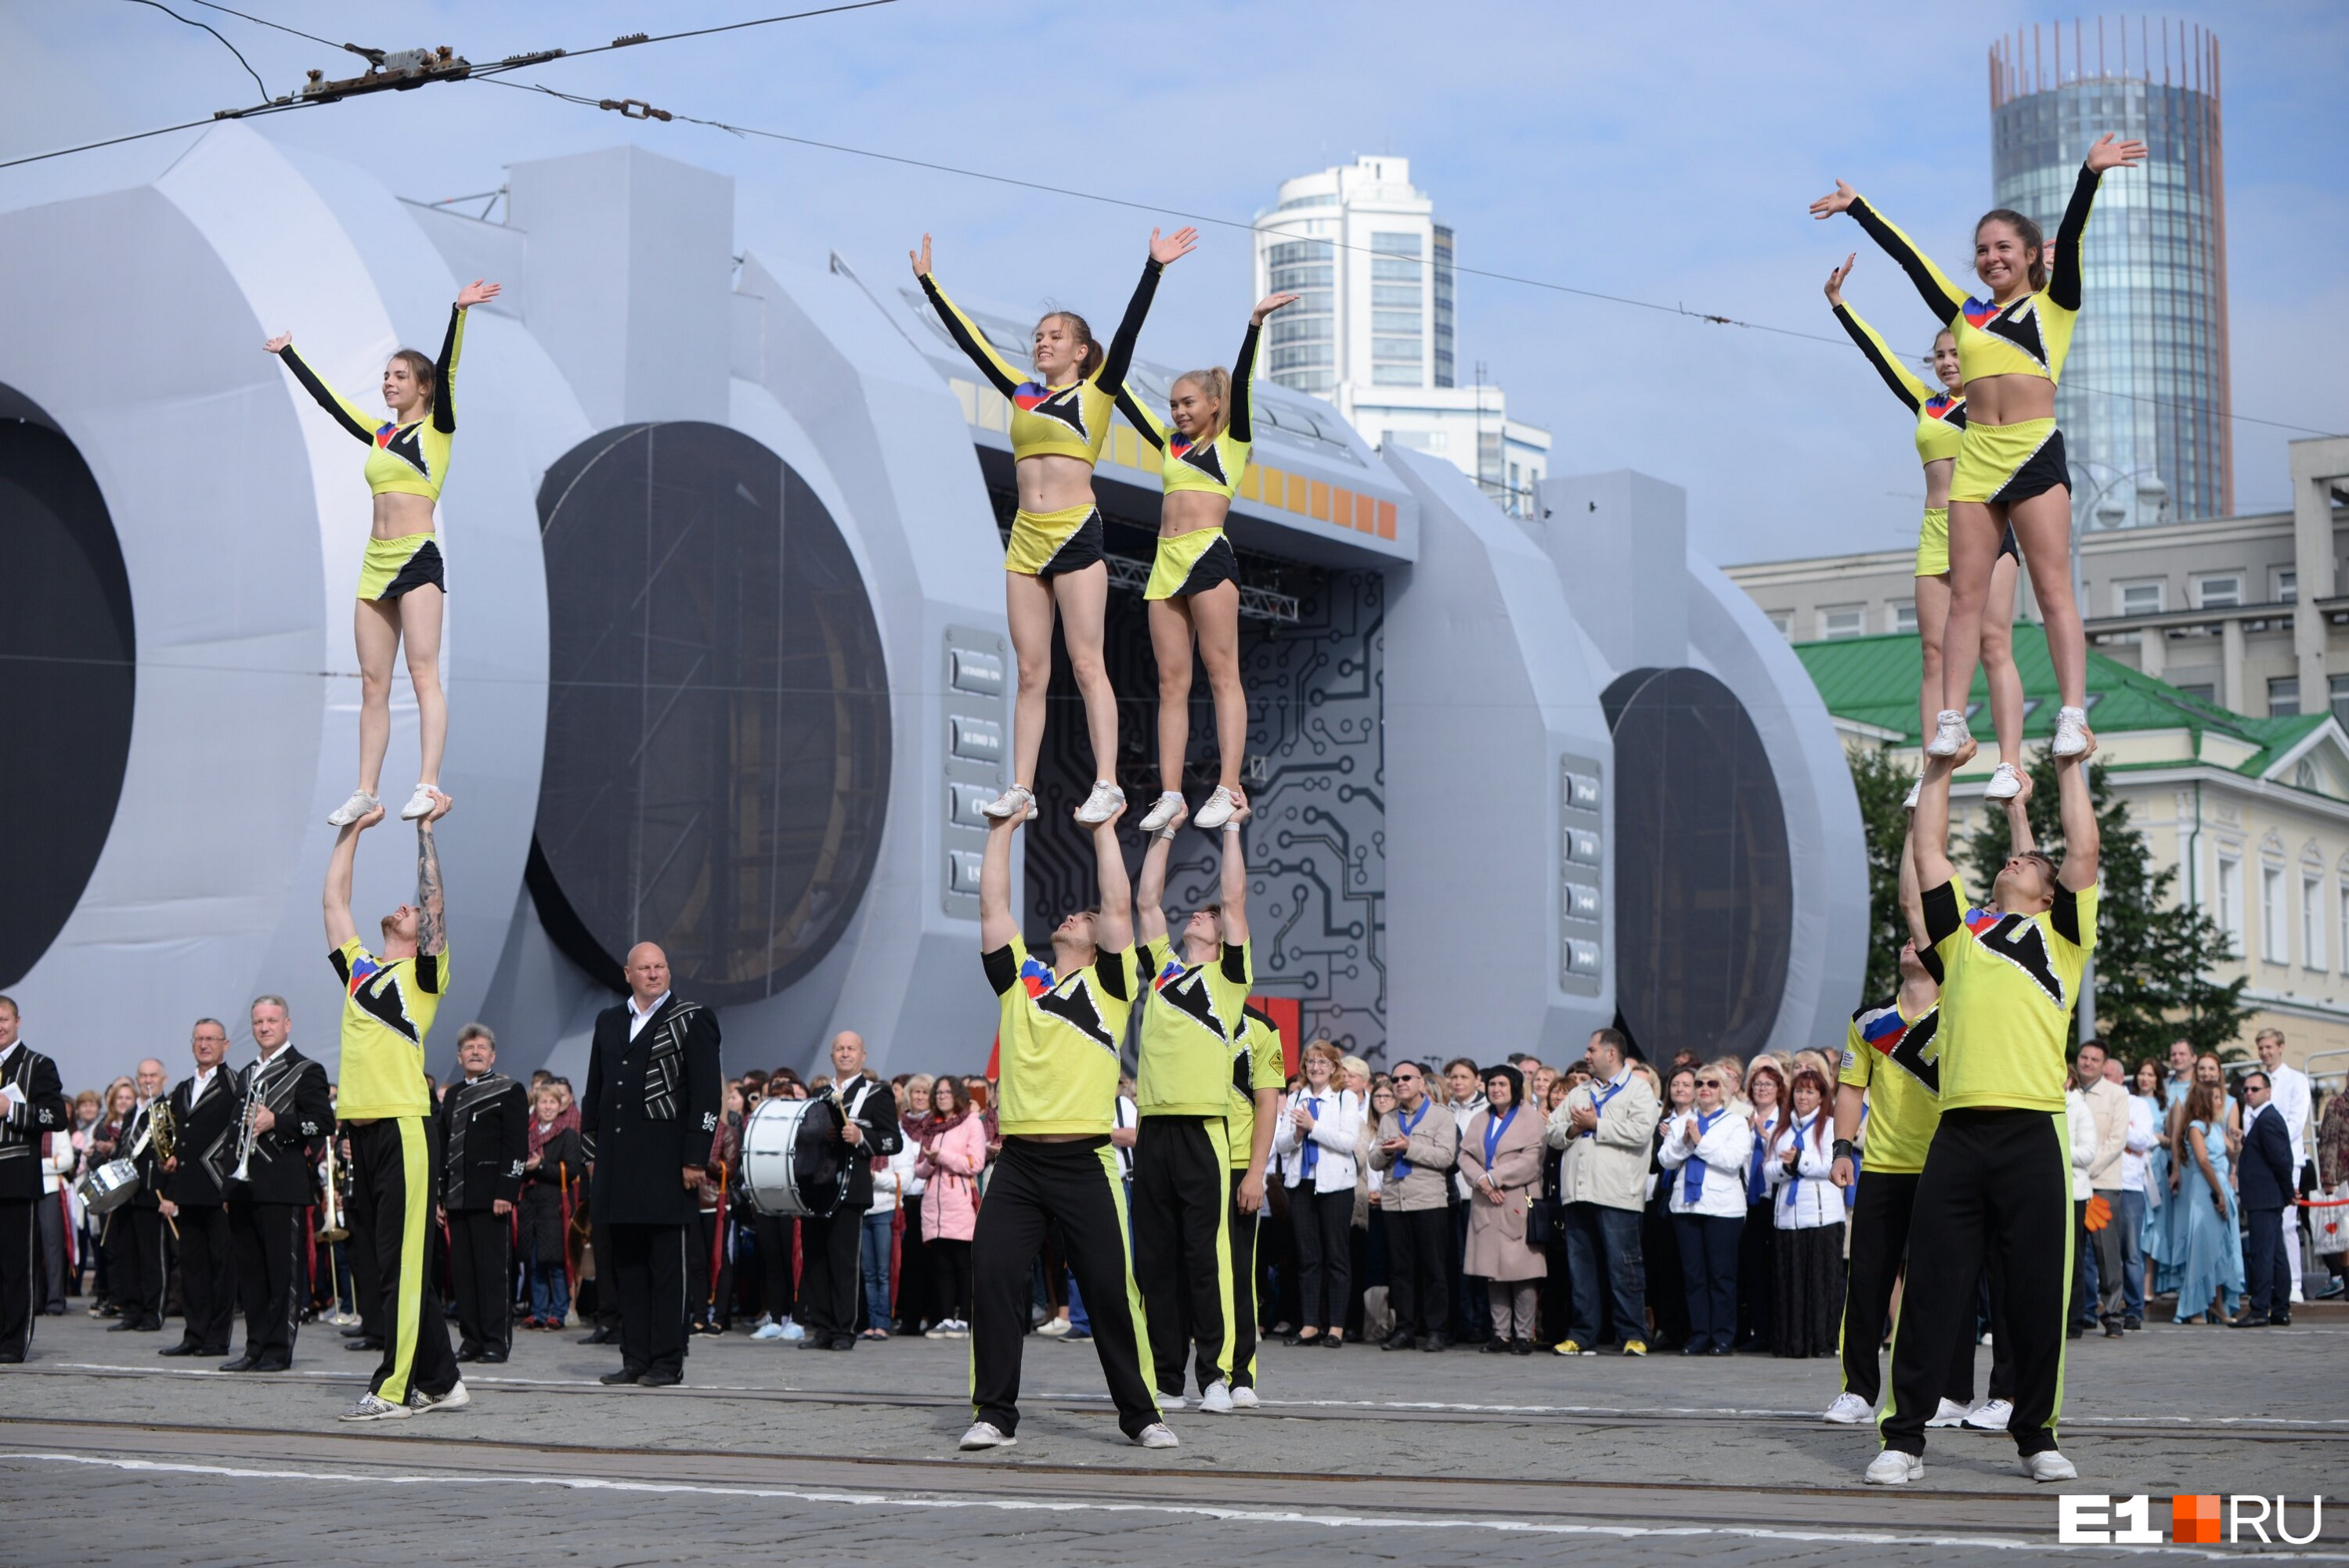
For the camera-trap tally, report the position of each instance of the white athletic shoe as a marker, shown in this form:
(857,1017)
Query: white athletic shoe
(1950,1413)
(2071,731)
(1217,810)
(1909,801)
(1244,1399)
(2048,1465)
(1990,1416)
(1017,801)
(959,1329)
(793,1332)
(1106,801)
(1053,1327)
(1157,1435)
(1168,1401)
(420,805)
(985,1435)
(374,1407)
(1948,734)
(1163,810)
(351,810)
(1893,1468)
(1217,1400)
(768,1331)
(456,1398)
(2005,783)
(1848,1410)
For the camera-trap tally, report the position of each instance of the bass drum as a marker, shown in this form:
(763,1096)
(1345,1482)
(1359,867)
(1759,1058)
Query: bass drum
(793,1163)
(108,1186)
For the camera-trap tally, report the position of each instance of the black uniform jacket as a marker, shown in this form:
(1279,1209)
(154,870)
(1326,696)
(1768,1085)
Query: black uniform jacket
(484,1139)
(203,1139)
(44,1111)
(650,1108)
(883,1134)
(294,1087)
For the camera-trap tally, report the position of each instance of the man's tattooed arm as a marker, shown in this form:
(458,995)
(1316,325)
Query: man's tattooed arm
(431,922)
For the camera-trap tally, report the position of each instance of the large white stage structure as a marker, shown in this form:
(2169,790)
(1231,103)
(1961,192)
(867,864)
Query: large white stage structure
(728,669)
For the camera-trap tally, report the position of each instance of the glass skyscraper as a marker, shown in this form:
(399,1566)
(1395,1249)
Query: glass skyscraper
(2144,403)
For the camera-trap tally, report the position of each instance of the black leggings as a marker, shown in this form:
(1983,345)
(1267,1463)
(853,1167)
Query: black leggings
(1324,1223)
(950,1274)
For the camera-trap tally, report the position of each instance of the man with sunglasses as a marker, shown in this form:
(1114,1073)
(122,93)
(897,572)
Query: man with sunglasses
(1418,1144)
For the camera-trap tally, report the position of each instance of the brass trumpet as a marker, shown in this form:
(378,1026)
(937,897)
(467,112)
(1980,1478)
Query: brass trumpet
(331,1226)
(246,1133)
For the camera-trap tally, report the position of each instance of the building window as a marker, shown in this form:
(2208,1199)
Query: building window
(1396,376)
(2221,592)
(1784,620)
(2312,951)
(2286,583)
(2283,696)
(2273,939)
(2201,691)
(2343,912)
(1843,621)
(1398,321)
(2139,598)
(2336,688)
(1904,615)
(2230,899)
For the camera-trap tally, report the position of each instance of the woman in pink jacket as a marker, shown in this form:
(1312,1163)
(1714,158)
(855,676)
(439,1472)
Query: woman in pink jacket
(953,1154)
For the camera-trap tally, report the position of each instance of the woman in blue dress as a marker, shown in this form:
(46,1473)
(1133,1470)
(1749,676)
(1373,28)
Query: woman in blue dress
(2212,1254)
(2156,1234)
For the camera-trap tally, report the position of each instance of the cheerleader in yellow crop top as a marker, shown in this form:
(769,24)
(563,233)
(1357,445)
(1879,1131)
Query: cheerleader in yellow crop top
(1060,422)
(1193,593)
(400,581)
(2011,470)
(1941,421)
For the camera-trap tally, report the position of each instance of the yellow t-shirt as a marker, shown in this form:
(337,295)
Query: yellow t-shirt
(1059,1041)
(1195,1011)
(1256,1064)
(388,1009)
(2008,987)
(1896,1060)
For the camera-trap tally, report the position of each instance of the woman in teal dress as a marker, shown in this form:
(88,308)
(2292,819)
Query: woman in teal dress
(2212,1257)
(2157,1235)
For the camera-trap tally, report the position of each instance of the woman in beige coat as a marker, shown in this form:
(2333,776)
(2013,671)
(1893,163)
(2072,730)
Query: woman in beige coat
(1500,1159)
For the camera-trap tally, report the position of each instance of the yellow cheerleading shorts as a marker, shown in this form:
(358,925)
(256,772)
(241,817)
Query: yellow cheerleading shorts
(2000,463)
(1190,563)
(1933,543)
(394,566)
(1047,543)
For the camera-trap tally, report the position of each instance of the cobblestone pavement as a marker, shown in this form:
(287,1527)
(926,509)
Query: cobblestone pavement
(1360,1454)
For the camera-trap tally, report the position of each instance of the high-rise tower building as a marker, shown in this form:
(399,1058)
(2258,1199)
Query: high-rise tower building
(1373,331)
(2144,404)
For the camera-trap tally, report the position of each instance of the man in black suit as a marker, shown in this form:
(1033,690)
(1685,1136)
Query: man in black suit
(654,1092)
(870,1129)
(284,1095)
(204,1120)
(2266,1172)
(141,1264)
(484,1139)
(32,1105)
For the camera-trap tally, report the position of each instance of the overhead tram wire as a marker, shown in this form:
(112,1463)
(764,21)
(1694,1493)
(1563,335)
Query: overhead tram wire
(231,49)
(636,109)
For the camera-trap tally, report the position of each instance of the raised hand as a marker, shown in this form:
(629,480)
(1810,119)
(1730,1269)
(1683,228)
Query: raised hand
(1268,304)
(476,293)
(1835,279)
(1175,246)
(1829,206)
(279,344)
(2112,152)
(921,258)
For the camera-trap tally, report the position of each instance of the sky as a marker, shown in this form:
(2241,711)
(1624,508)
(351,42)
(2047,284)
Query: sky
(1661,152)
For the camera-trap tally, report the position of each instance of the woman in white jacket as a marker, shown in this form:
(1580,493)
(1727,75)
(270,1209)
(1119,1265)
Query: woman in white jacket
(1319,1123)
(1704,1157)
(1808,1316)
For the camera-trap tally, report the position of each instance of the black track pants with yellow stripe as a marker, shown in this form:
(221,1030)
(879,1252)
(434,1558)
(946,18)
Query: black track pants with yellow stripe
(1077,1186)
(391,1183)
(1182,1243)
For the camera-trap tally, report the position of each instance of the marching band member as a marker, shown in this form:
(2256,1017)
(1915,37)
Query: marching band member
(284,1107)
(204,1114)
(484,1139)
(32,1104)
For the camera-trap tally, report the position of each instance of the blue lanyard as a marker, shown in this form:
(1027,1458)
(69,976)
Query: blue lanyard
(1410,1124)
(1692,1173)
(1312,1160)
(1598,1099)
(1494,1132)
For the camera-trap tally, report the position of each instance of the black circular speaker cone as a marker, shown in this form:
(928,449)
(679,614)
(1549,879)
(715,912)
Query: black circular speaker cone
(1704,888)
(718,713)
(68,679)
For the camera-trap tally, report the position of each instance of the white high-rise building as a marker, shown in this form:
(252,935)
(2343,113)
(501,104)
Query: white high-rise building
(1373,333)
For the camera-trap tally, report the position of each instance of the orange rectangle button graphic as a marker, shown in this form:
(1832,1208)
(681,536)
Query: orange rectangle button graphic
(2194,1519)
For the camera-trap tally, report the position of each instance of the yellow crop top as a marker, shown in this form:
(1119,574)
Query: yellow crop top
(1071,421)
(1214,466)
(1940,416)
(404,459)
(2029,335)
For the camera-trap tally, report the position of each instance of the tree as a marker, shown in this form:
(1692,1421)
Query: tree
(2154,955)
(1882,783)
